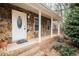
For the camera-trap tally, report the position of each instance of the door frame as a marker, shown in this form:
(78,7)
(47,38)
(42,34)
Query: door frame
(25,25)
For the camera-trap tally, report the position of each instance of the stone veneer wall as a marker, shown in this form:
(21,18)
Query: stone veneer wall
(30,25)
(44,28)
(5,21)
(6,15)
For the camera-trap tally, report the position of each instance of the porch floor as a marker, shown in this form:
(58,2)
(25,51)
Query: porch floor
(14,46)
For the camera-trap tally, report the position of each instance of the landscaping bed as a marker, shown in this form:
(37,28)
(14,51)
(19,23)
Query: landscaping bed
(64,47)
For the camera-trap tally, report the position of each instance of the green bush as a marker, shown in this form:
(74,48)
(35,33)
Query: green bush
(71,24)
(67,51)
(64,49)
(56,45)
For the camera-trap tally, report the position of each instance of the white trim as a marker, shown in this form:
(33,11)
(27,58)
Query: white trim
(51,27)
(59,28)
(26,28)
(34,24)
(33,7)
(39,26)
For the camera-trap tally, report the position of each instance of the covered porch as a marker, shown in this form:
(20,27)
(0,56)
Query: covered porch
(44,22)
(41,23)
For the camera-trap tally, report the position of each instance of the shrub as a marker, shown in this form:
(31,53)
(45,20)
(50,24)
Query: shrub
(64,49)
(67,51)
(71,24)
(56,45)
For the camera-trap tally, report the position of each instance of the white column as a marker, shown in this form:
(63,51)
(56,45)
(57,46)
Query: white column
(59,28)
(39,26)
(51,27)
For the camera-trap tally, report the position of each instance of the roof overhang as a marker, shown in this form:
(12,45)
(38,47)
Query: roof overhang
(36,7)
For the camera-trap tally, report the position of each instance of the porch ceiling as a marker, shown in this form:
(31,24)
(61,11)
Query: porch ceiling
(36,7)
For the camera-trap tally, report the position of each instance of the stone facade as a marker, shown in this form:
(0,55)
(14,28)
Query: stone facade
(6,15)
(30,25)
(45,30)
(5,21)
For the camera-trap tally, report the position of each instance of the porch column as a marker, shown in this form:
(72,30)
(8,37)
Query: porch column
(51,27)
(39,26)
(59,28)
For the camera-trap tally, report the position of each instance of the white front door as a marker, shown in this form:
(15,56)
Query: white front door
(19,26)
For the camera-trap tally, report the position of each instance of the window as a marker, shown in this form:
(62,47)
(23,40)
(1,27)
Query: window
(55,27)
(49,24)
(36,24)
(19,22)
